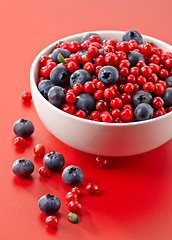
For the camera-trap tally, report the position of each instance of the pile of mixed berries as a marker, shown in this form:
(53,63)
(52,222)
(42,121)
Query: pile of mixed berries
(108,81)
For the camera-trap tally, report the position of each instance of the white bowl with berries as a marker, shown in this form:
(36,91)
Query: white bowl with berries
(107,93)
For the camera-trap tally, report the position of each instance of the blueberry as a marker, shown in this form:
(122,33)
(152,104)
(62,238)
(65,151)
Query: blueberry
(56,96)
(86,102)
(133,35)
(143,112)
(167,97)
(44,86)
(54,161)
(169,81)
(82,52)
(64,52)
(49,204)
(23,128)
(108,75)
(141,97)
(72,175)
(87,35)
(23,167)
(59,75)
(79,76)
(134,57)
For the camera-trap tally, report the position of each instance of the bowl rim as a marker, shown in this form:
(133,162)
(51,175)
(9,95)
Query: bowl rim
(79,35)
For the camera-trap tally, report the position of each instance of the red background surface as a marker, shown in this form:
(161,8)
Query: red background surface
(135,197)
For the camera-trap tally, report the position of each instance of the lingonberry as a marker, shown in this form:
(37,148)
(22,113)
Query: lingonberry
(127,106)
(50,65)
(155,67)
(129,88)
(126,114)
(43,60)
(157,51)
(121,88)
(44,171)
(76,191)
(109,93)
(114,86)
(131,78)
(140,64)
(44,71)
(163,73)
(121,55)
(89,87)
(86,58)
(148,86)
(72,66)
(153,78)
(146,49)
(76,58)
(70,97)
(111,59)
(162,109)
(101,161)
(20,142)
(85,45)
(97,70)
(136,87)
(65,45)
(154,59)
(116,103)
(123,46)
(94,38)
(92,188)
(111,42)
(74,206)
(135,71)
(105,116)
(51,221)
(168,64)
(69,108)
(108,49)
(157,113)
(70,196)
(126,98)
(78,88)
(89,67)
(116,112)
(117,120)
(81,114)
(93,52)
(146,71)
(100,86)
(74,46)
(99,61)
(124,63)
(98,94)
(157,102)
(39,150)
(141,80)
(169,109)
(101,105)
(133,45)
(163,83)
(26,97)
(123,72)
(164,57)
(95,114)
(159,89)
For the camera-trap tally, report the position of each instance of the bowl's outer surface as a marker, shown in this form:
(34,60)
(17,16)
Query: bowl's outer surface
(106,139)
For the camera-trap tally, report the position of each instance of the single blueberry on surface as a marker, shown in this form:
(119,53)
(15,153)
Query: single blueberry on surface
(72,175)
(64,52)
(143,112)
(169,81)
(56,96)
(108,75)
(167,97)
(87,35)
(59,75)
(23,167)
(86,102)
(133,35)
(141,97)
(54,161)
(49,204)
(82,52)
(134,57)
(23,128)
(44,86)
(79,76)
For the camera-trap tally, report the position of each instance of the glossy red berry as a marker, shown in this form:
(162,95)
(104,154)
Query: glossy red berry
(126,115)
(123,46)
(44,171)
(92,188)
(95,44)
(116,112)
(146,49)
(76,190)
(39,150)
(74,46)
(43,60)
(94,38)
(109,93)
(127,106)
(129,88)
(159,89)
(72,67)
(44,71)
(157,102)
(51,221)
(163,83)
(95,114)
(81,114)
(78,88)
(168,64)
(108,49)
(116,103)
(111,59)
(121,55)
(20,142)
(123,72)
(169,109)
(146,71)
(157,113)
(149,87)
(85,45)
(93,52)
(140,64)
(155,67)
(86,58)
(98,94)
(70,196)
(154,59)
(133,45)
(26,97)
(97,70)
(76,58)
(124,63)
(141,80)
(131,78)
(89,87)
(65,45)
(74,206)
(163,73)
(70,97)
(111,42)
(105,116)
(100,86)
(126,98)
(153,78)
(69,108)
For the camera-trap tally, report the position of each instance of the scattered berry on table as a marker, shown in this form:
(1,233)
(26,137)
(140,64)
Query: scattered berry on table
(39,150)
(92,188)
(52,221)
(76,191)
(23,128)
(54,161)
(74,206)
(26,97)
(49,204)
(23,167)
(70,196)
(44,171)
(72,175)
(20,142)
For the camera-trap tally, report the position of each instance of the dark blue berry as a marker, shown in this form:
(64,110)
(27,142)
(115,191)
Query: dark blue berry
(72,175)
(23,128)
(87,35)
(64,52)
(108,75)
(79,76)
(54,161)
(143,112)
(133,35)
(86,102)
(82,52)
(44,86)
(141,97)
(134,57)
(23,167)
(49,204)
(169,81)
(167,97)
(56,96)
(59,75)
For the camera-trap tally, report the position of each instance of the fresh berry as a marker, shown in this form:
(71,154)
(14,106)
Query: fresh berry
(75,190)
(71,197)
(159,89)
(59,75)
(149,87)
(69,108)
(105,116)
(20,142)
(73,217)
(79,76)
(72,67)
(54,161)
(26,97)
(169,81)
(92,188)
(101,161)
(98,94)
(64,52)
(126,115)
(134,57)
(89,87)
(141,97)
(70,97)
(39,150)
(157,102)
(109,93)
(49,204)
(44,171)
(133,35)
(86,36)
(44,86)
(89,67)
(143,112)
(74,206)
(108,75)
(72,175)
(51,221)
(23,167)
(86,102)
(93,52)
(78,88)
(23,128)
(56,96)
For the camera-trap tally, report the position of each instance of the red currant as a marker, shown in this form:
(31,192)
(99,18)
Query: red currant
(26,97)
(78,88)
(129,88)
(159,89)
(74,206)
(69,108)
(163,73)
(95,114)
(70,196)
(99,61)
(94,38)
(98,94)
(52,221)
(149,86)
(74,46)
(43,60)
(109,93)
(146,71)
(44,171)
(108,49)
(39,150)
(89,87)
(126,98)
(116,112)
(111,59)
(72,67)
(126,115)
(89,67)
(93,52)
(92,188)
(20,142)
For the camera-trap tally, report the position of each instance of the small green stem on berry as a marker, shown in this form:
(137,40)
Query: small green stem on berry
(61,58)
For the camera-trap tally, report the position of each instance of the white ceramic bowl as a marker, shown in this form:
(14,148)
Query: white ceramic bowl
(107,139)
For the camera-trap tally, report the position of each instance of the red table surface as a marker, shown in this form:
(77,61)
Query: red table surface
(135,197)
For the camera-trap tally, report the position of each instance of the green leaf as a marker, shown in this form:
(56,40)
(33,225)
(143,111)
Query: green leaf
(61,58)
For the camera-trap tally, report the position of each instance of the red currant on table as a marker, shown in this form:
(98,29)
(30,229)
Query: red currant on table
(69,108)
(39,150)
(26,97)
(44,171)
(52,221)
(101,161)
(92,188)
(20,142)
(74,206)
(78,88)
(89,67)
(98,94)
(70,196)
(76,191)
